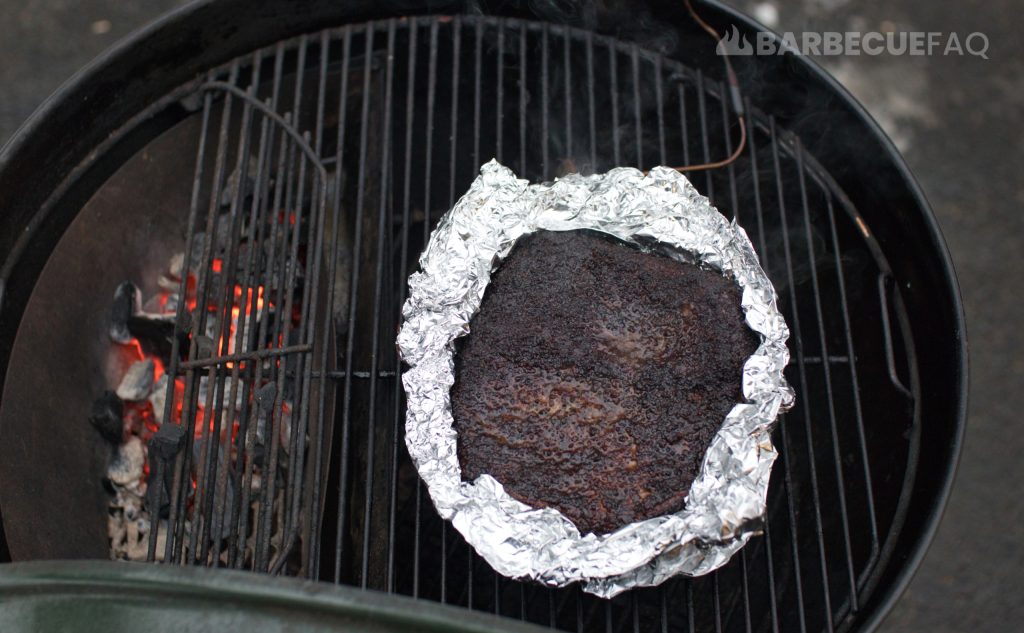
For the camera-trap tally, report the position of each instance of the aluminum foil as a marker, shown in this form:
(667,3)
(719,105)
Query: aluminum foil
(726,502)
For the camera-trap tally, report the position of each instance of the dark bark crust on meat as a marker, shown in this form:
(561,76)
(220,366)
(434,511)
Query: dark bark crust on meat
(595,377)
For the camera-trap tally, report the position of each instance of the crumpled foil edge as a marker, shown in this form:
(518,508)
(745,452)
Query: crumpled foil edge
(726,503)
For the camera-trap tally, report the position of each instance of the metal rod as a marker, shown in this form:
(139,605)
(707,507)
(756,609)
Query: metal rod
(522,101)
(613,74)
(704,129)
(659,99)
(343,460)
(256,354)
(567,83)
(382,215)
(545,131)
(499,102)
(591,102)
(428,164)
(315,503)
(402,269)
(637,112)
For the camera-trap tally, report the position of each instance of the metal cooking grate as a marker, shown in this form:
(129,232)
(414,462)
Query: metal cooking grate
(396,116)
(256,332)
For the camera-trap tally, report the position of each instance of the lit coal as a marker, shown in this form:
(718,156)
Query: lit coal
(247,184)
(138,381)
(107,417)
(225,400)
(283,422)
(222,240)
(161,307)
(155,335)
(175,267)
(126,467)
(158,399)
(149,445)
(127,303)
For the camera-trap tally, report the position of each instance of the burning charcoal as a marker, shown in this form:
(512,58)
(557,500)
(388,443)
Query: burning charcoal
(204,390)
(251,325)
(212,326)
(138,549)
(262,420)
(127,503)
(204,382)
(127,302)
(176,265)
(155,335)
(161,307)
(284,424)
(126,466)
(167,441)
(233,182)
(131,513)
(258,258)
(224,498)
(116,532)
(300,272)
(132,534)
(169,284)
(279,279)
(223,238)
(108,417)
(209,334)
(204,347)
(137,382)
(265,396)
(158,398)
(171,307)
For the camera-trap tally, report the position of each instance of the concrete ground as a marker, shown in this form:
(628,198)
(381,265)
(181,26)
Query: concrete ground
(957,121)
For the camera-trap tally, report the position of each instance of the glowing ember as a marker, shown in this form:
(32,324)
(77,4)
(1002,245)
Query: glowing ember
(144,413)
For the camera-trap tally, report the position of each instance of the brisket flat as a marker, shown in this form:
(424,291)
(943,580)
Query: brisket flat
(595,377)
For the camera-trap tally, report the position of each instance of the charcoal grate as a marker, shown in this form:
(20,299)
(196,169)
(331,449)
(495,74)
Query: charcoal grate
(255,330)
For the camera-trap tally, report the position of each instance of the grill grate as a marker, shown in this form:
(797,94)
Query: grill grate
(378,128)
(257,359)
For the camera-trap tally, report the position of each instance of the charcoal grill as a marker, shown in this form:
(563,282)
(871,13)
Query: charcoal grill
(390,117)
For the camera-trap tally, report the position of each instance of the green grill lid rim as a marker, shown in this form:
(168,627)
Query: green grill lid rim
(115,596)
